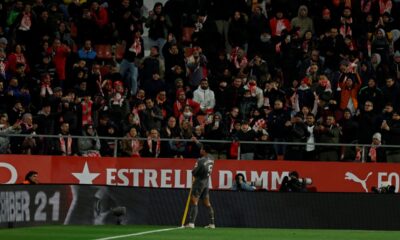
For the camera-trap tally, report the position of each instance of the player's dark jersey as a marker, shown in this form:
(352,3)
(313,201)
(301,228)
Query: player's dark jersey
(203,167)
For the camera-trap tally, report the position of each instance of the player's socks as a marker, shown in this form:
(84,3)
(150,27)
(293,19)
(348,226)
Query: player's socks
(193,213)
(211,215)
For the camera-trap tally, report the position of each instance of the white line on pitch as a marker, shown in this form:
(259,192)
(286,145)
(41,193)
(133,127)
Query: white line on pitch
(138,234)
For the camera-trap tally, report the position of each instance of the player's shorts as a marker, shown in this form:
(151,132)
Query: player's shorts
(200,189)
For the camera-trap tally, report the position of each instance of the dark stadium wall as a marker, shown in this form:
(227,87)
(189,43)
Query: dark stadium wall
(22,205)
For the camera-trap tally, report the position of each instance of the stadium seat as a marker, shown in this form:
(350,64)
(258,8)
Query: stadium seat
(119,51)
(104,52)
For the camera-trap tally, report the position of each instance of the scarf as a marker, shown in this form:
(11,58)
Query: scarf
(372,152)
(252,89)
(366,6)
(180,105)
(45,88)
(87,112)
(345,28)
(66,149)
(3,69)
(135,147)
(385,6)
(26,22)
(136,47)
(150,145)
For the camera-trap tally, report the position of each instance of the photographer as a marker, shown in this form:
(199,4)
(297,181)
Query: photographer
(293,183)
(240,184)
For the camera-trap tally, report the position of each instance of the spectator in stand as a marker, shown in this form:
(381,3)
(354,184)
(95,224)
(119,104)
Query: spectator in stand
(350,87)
(278,24)
(59,53)
(391,92)
(6,128)
(297,132)
(328,132)
(158,24)
(348,126)
(163,103)
(134,51)
(131,145)
(46,122)
(303,22)
(182,101)
(215,130)
(258,24)
(150,65)
(90,145)
(64,34)
(264,151)
(379,70)
(118,106)
(310,153)
(376,152)
(373,93)
(24,27)
(151,116)
(235,93)
(221,99)
(17,57)
(246,133)
(174,59)
(276,122)
(255,91)
(169,131)
(87,53)
(65,145)
(205,97)
(188,115)
(99,16)
(108,145)
(248,104)
(391,136)
(154,86)
(237,30)
(273,92)
(368,123)
(152,146)
(395,66)
(196,67)
(231,119)
(380,45)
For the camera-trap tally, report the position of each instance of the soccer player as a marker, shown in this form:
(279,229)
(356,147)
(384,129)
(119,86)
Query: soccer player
(201,172)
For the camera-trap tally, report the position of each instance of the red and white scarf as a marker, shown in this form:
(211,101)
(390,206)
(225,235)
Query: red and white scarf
(150,145)
(45,88)
(26,22)
(87,112)
(66,149)
(385,6)
(135,145)
(345,28)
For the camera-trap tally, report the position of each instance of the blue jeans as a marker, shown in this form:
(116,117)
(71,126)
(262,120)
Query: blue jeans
(129,73)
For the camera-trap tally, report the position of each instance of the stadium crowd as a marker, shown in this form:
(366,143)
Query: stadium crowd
(322,71)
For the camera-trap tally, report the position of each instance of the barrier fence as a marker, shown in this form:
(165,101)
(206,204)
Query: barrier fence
(222,148)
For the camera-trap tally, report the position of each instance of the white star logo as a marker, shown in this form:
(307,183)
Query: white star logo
(85,177)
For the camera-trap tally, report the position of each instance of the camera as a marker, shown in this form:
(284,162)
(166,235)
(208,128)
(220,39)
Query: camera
(293,183)
(385,188)
(306,181)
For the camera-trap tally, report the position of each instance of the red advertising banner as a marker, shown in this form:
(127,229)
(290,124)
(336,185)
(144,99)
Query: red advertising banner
(176,173)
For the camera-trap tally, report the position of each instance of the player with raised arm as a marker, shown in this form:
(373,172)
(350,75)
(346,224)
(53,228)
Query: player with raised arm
(201,172)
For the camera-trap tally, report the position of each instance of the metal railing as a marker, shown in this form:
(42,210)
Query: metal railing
(116,140)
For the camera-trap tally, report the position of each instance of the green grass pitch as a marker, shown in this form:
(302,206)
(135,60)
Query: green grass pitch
(116,232)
